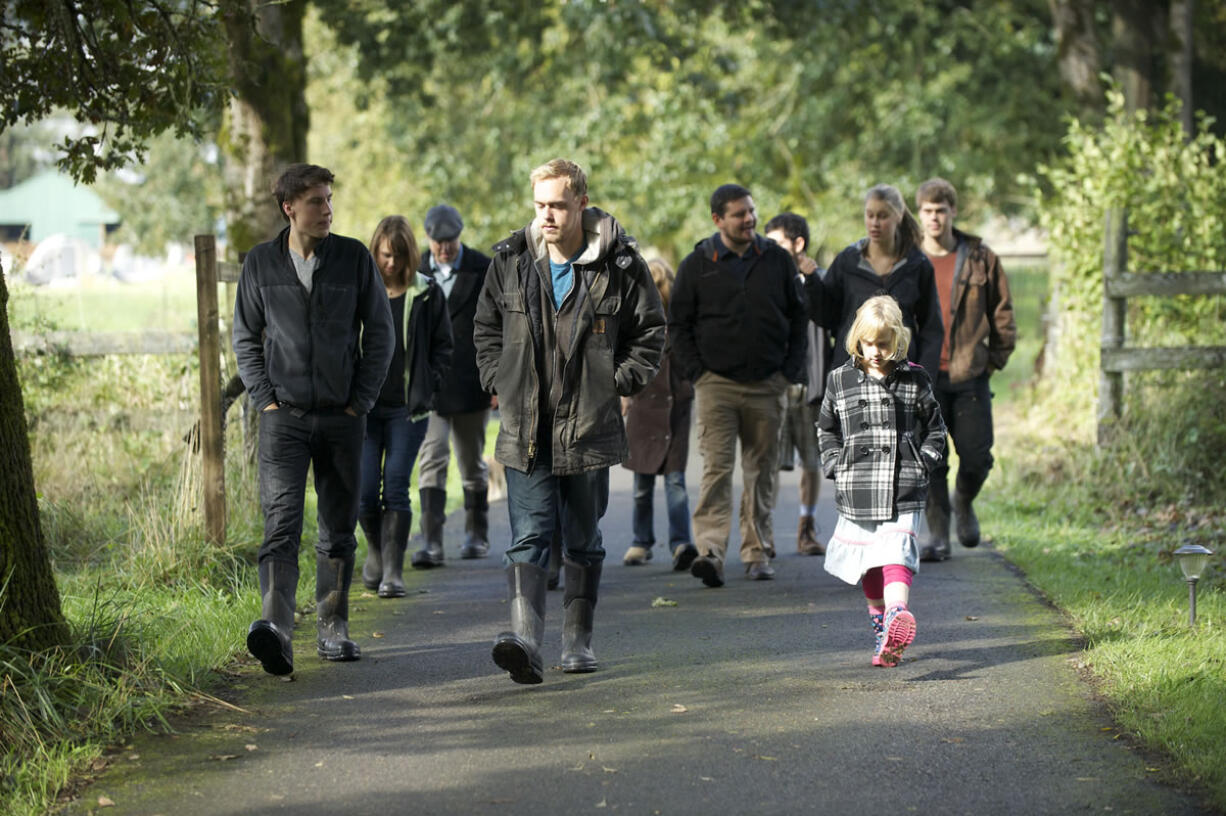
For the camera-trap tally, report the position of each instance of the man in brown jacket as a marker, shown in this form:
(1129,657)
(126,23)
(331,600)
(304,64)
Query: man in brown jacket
(979,337)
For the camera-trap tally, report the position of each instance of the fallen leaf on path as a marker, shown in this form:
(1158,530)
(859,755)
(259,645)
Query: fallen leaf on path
(602,803)
(319,764)
(104,802)
(346,696)
(608,770)
(133,757)
(223,757)
(376,634)
(766,758)
(251,746)
(972,617)
(952,739)
(679,709)
(578,767)
(662,601)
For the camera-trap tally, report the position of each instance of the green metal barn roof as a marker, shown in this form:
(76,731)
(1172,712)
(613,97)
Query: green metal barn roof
(50,203)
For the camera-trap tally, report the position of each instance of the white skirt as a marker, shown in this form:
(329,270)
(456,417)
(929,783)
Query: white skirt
(857,547)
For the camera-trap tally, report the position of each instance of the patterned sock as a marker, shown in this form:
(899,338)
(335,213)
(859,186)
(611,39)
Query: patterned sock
(876,616)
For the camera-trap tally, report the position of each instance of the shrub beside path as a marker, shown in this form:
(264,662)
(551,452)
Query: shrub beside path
(757,698)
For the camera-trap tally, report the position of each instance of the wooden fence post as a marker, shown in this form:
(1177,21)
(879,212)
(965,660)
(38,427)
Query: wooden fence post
(1115,263)
(212,452)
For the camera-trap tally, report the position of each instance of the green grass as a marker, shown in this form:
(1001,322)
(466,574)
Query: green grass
(98,304)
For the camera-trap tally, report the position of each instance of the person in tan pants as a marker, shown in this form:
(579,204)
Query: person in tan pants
(738,326)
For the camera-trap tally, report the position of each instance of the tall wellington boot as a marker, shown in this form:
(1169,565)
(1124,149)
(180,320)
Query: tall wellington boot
(937,514)
(396,526)
(579,602)
(332,579)
(372,568)
(966,524)
(270,639)
(476,524)
(518,651)
(433,514)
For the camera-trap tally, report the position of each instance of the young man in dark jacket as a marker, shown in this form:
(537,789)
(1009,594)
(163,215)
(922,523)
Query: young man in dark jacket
(461,407)
(738,322)
(568,322)
(979,336)
(313,338)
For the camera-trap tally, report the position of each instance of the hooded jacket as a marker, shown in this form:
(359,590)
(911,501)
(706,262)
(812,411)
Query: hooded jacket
(426,334)
(559,373)
(323,350)
(743,328)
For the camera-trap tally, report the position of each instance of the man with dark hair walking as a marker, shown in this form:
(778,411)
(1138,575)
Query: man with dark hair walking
(461,407)
(569,321)
(979,337)
(737,324)
(799,435)
(313,338)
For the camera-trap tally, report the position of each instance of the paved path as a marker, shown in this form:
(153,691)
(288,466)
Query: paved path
(756,698)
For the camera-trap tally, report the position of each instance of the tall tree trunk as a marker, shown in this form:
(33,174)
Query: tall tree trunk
(266,124)
(1179,59)
(1078,53)
(30,614)
(1132,33)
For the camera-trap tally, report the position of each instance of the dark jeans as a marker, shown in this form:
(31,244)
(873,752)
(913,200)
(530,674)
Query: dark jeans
(678,509)
(538,501)
(389,450)
(967,410)
(291,442)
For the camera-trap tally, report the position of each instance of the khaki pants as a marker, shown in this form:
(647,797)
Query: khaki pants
(467,432)
(728,411)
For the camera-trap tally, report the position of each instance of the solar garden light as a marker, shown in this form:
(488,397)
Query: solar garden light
(1192,558)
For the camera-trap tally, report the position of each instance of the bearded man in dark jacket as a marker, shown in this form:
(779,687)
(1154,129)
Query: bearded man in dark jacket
(568,322)
(313,338)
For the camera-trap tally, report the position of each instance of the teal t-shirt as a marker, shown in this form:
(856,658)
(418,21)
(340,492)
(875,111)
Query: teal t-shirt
(563,275)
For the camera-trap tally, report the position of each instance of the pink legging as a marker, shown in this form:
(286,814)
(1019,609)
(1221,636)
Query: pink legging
(874,581)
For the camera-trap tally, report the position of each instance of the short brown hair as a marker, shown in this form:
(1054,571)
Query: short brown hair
(395,229)
(938,191)
(296,180)
(576,179)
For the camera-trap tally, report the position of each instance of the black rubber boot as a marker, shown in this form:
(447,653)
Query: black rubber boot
(332,579)
(519,650)
(372,568)
(579,602)
(396,526)
(433,514)
(270,639)
(937,513)
(965,522)
(476,524)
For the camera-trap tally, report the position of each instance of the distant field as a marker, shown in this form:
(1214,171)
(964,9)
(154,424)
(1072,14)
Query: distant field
(105,304)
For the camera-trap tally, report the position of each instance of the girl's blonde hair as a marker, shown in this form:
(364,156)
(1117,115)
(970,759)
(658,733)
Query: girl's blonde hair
(879,321)
(663,276)
(395,229)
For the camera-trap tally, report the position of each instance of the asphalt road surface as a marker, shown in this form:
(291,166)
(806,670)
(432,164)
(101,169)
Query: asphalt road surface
(756,698)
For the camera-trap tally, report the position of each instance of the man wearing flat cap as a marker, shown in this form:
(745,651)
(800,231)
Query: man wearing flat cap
(461,407)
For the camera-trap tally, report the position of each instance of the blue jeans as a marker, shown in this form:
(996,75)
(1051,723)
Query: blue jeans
(291,441)
(388,453)
(678,510)
(538,501)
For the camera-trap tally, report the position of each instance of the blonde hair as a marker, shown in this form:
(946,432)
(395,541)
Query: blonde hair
(576,179)
(878,319)
(662,275)
(395,229)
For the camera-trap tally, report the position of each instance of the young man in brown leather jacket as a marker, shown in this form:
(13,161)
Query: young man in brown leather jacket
(979,336)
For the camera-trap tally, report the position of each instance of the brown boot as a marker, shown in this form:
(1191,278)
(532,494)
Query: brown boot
(806,538)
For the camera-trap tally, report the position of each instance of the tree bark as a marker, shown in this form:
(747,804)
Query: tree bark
(1132,32)
(267,121)
(1078,53)
(30,614)
(1179,59)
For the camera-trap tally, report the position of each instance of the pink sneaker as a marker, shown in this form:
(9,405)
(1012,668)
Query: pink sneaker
(899,628)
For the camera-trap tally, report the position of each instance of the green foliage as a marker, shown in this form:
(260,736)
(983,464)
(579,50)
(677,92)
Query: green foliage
(662,102)
(126,71)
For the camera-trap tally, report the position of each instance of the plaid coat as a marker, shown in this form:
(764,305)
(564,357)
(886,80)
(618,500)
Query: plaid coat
(879,439)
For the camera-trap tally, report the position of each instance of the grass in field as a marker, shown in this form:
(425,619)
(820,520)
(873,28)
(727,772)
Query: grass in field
(99,304)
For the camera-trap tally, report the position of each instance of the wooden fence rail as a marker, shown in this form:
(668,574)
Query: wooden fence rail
(1118,286)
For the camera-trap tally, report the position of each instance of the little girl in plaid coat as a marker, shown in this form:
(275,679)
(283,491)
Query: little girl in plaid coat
(880,434)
